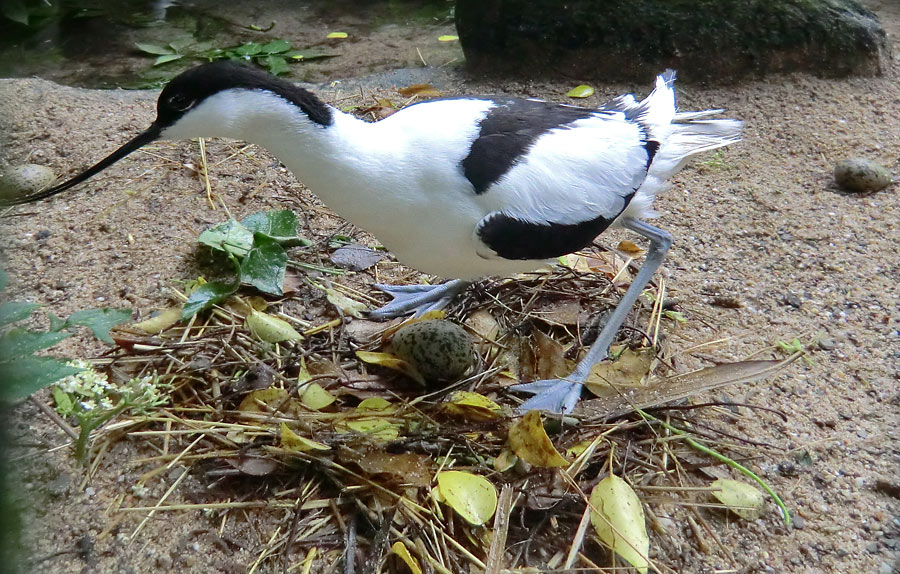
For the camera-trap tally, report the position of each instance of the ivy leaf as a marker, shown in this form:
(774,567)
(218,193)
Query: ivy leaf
(276,47)
(231,237)
(26,375)
(248,49)
(280,225)
(13,311)
(264,265)
(167,58)
(100,321)
(20,343)
(275,64)
(205,296)
(153,49)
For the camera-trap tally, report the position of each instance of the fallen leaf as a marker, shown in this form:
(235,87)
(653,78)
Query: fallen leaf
(420,90)
(159,322)
(626,372)
(269,328)
(356,257)
(265,401)
(400,549)
(505,460)
(550,357)
(472,406)
(346,305)
(448,38)
(743,499)
(391,362)
(253,465)
(529,441)
(618,518)
(409,468)
(629,248)
(314,397)
(582,91)
(337,35)
(295,443)
(472,496)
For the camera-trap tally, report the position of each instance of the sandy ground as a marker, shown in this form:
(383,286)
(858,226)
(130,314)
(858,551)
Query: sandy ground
(764,226)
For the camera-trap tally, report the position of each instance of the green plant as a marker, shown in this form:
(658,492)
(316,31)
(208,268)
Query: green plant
(92,401)
(23,371)
(273,56)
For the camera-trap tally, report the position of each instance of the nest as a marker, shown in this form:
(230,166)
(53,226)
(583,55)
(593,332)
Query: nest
(341,484)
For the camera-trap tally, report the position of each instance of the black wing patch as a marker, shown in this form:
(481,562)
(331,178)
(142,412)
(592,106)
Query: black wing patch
(508,131)
(195,85)
(515,238)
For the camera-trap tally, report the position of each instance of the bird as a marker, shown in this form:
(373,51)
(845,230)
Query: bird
(460,187)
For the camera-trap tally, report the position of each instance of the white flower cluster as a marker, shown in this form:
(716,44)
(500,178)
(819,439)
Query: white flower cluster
(90,391)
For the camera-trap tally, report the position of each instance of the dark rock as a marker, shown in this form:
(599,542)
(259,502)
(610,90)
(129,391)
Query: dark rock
(702,39)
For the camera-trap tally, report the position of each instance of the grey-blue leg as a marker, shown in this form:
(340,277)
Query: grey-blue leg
(417,298)
(562,395)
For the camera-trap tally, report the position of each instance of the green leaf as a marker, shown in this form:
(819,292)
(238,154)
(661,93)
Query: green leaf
(153,49)
(231,237)
(56,324)
(15,10)
(275,64)
(100,321)
(448,38)
(265,265)
(248,49)
(582,91)
(276,47)
(207,295)
(269,328)
(280,225)
(20,343)
(167,58)
(62,399)
(338,35)
(13,311)
(24,376)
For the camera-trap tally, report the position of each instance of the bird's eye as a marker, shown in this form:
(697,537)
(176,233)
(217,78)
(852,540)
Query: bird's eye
(181,102)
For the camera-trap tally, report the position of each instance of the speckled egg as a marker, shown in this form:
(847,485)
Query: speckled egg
(860,175)
(440,350)
(20,181)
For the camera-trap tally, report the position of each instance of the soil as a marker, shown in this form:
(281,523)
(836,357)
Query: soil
(761,227)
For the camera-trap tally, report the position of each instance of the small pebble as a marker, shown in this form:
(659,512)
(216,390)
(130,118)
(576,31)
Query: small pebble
(20,181)
(826,344)
(860,175)
(90,491)
(798,522)
(793,300)
(438,349)
(872,547)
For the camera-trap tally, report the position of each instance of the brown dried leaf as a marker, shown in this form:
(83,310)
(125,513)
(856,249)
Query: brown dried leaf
(420,90)
(529,441)
(626,372)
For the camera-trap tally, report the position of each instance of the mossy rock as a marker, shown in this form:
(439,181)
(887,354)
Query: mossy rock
(704,40)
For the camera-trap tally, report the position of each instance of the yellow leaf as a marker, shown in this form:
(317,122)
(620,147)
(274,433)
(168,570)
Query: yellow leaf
(448,38)
(582,91)
(270,329)
(629,248)
(314,397)
(579,447)
(529,441)
(618,518)
(472,406)
(375,404)
(473,497)
(346,305)
(272,398)
(402,551)
(293,442)
(160,322)
(743,499)
(380,428)
(505,460)
(391,362)
(339,35)
(420,90)
(627,371)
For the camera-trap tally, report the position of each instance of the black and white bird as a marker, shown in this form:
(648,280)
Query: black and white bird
(461,187)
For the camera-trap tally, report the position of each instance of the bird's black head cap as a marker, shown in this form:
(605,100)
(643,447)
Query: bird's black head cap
(190,88)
